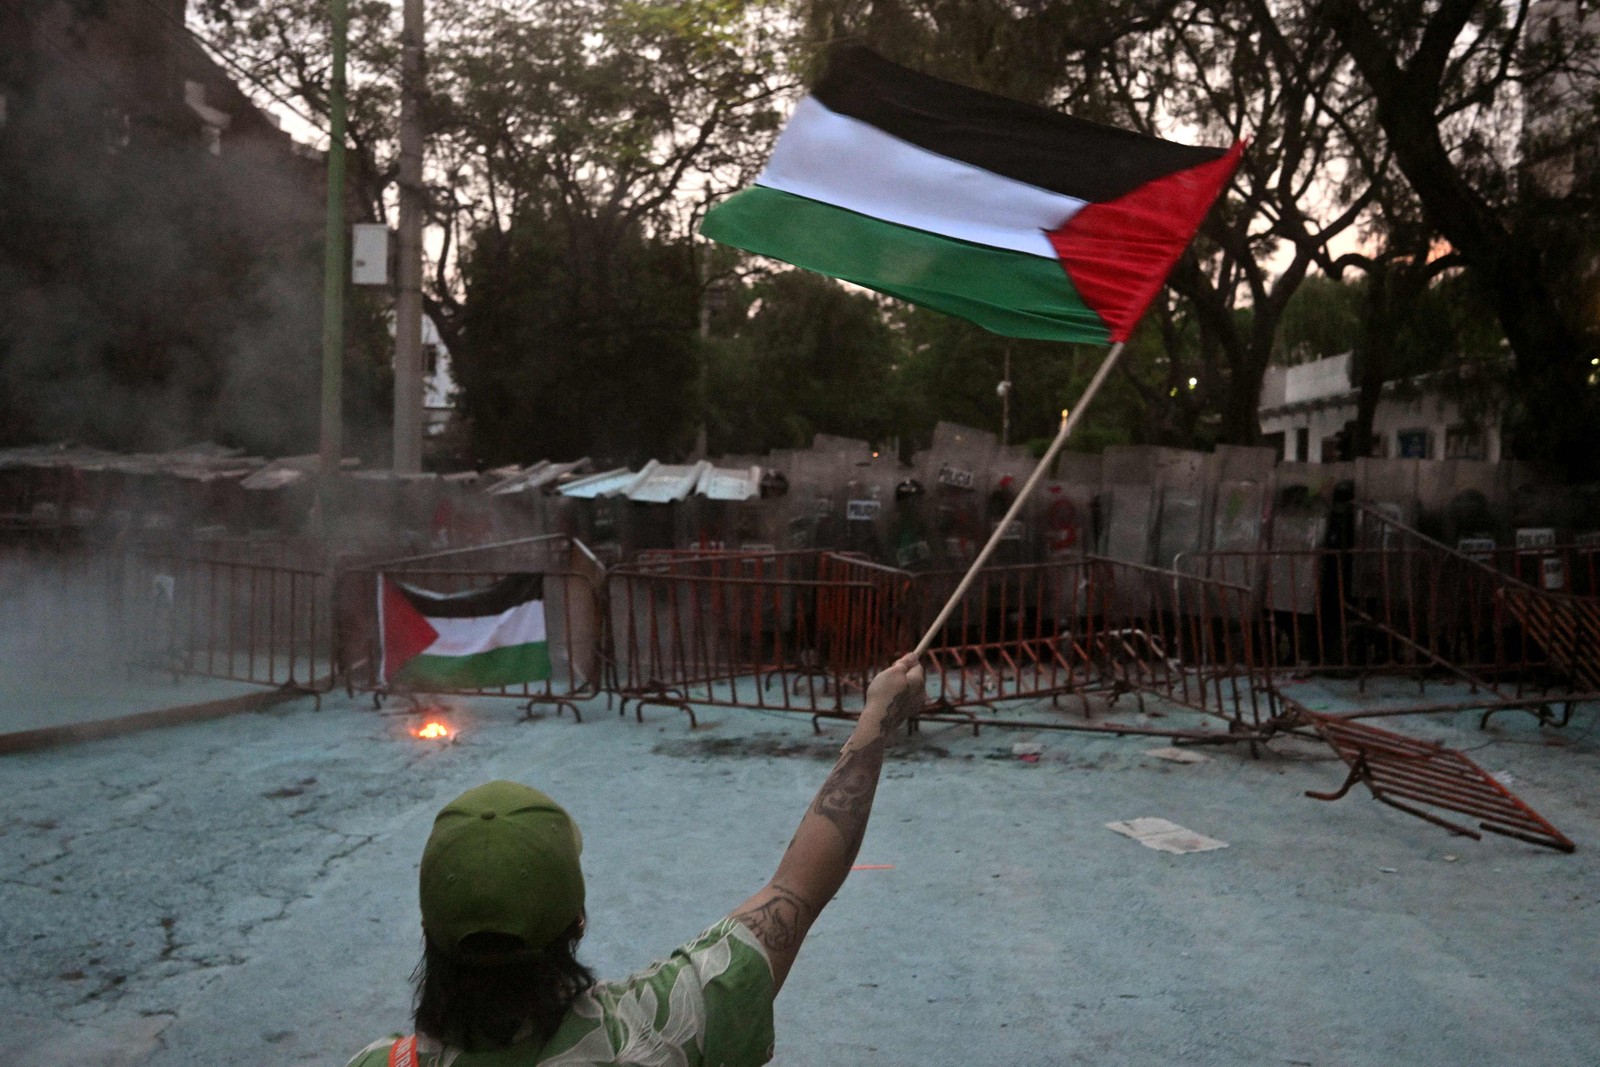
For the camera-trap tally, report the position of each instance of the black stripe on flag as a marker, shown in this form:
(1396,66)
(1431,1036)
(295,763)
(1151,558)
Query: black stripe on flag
(502,596)
(1021,141)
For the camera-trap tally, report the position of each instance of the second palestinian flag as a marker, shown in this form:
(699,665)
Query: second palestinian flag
(1027,221)
(483,639)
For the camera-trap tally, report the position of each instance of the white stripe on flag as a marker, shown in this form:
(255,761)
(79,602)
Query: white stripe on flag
(852,164)
(520,625)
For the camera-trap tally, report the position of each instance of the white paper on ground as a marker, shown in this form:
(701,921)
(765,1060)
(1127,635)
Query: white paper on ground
(1177,755)
(1165,836)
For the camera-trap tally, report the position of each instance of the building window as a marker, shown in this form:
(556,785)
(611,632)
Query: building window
(1465,442)
(1302,444)
(1411,444)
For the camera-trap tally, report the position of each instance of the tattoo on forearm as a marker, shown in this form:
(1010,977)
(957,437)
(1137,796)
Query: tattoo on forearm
(780,922)
(845,799)
(906,703)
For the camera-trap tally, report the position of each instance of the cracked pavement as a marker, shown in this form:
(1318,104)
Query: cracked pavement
(243,890)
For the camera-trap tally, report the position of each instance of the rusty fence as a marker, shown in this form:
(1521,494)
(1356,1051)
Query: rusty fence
(804,632)
(1094,624)
(1365,611)
(1422,778)
(572,583)
(777,631)
(1402,603)
(252,622)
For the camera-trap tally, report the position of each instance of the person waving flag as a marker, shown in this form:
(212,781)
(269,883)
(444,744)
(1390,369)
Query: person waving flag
(1027,221)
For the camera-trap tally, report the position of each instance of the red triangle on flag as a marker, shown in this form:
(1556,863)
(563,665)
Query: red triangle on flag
(1119,253)
(406,632)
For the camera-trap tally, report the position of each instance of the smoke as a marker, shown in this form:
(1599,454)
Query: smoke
(153,294)
(64,636)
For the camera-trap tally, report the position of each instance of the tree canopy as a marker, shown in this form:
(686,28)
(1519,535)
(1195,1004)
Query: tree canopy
(574,143)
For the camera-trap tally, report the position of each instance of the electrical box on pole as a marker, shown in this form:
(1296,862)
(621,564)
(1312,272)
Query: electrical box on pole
(369,254)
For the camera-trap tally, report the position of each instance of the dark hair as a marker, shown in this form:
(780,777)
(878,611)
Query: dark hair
(482,996)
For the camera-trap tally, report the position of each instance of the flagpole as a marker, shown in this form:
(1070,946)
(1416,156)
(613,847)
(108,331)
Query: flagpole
(1067,424)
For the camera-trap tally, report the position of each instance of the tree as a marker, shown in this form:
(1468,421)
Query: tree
(554,362)
(1229,69)
(1446,78)
(1321,320)
(950,369)
(598,125)
(1211,70)
(810,357)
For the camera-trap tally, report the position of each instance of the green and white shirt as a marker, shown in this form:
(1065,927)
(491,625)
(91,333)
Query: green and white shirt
(709,1004)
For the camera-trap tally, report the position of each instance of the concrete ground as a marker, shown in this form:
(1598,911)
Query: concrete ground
(243,890)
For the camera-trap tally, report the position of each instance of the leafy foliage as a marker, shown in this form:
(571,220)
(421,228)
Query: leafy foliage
(810,357)
(560,355)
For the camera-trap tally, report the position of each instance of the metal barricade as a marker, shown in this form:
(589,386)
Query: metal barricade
(1193,643)
(806,636)
(1365,611)
(574,615)
(770,631)
(1402,603)
(1453,611)
(1015,634)
(1074,626)
(257,623)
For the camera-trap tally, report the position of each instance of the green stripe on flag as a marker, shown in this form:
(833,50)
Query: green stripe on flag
(510,665)
(1010,293)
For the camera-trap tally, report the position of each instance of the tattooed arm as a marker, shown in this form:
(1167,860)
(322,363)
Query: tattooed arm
(830,834)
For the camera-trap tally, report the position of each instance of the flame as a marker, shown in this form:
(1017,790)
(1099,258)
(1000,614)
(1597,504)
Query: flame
(432,730)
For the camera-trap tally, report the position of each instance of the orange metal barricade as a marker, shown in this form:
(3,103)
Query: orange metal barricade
(1073,626)
(692,629)
(262,624)
(1404,603)
(773,631)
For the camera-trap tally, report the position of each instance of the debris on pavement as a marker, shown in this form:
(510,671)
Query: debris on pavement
(1165,836)
(1173,754)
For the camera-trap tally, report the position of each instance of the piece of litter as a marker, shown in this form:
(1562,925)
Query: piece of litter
(1387,870)
(1451,859)
(1177,755)
(873,867)
(1029,757)
(1026,748)
(1503,777)
(1164,836)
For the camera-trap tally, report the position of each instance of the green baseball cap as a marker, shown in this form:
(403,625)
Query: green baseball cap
(502,859)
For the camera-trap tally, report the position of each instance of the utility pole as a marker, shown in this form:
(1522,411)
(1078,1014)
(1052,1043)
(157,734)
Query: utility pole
(333,273)
(408,370)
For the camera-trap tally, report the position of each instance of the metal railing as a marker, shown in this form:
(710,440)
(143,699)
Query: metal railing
(256,623)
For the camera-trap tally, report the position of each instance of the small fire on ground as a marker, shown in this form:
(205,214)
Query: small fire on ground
(433,730)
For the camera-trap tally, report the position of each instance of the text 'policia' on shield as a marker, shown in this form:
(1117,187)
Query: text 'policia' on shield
(1029,222)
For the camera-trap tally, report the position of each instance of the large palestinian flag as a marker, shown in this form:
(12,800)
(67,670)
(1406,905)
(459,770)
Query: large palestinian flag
(1027,221)
(483,639)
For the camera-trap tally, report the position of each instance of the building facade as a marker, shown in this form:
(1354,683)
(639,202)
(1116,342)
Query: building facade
(1304,408)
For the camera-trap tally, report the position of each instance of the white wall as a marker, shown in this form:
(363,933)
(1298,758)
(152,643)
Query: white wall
(1317,396)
